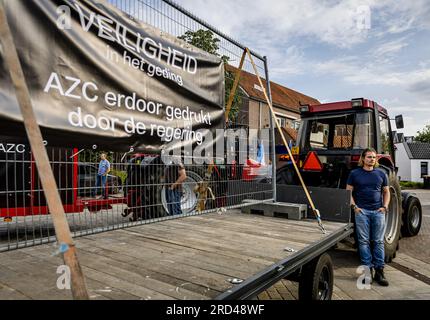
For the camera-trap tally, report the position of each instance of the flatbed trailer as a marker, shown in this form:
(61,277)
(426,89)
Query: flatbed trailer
(194,257)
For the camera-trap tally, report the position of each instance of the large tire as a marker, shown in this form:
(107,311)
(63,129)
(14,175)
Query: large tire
(146,179)
(316,280)
(412,218)
(393,219)
(286,175)
(189,197)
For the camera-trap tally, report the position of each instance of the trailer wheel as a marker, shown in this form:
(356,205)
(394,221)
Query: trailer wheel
(316,281)
(393,219)
(412,218)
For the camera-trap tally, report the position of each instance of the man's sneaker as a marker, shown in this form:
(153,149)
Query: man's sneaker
(380,277)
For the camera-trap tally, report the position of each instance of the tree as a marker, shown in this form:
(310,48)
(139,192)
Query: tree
(205,40)
(424,135)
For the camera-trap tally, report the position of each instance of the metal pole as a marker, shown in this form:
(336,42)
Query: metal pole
(272,132)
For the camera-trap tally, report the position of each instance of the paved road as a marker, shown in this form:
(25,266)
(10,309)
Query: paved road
(419,246)
(409,274)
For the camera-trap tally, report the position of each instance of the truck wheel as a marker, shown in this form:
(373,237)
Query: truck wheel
(286,175)
(189,197)
(412,218)
(316,280)
(393,219)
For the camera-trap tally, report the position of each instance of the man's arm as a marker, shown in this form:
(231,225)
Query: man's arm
(182,177)
(108,168)
(351,188)
(386,197)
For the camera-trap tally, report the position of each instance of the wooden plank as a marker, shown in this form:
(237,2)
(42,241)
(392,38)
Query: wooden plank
(204,246)
(10,293)
(44,255)
(288,234)
(270,250)
(46,175)
(252,218)
(126,286)
(166,277)
(234,88)
(304,230)
(188,273)
(240,264)
(135,274)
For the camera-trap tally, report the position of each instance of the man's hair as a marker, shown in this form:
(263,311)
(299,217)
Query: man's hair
(363,155)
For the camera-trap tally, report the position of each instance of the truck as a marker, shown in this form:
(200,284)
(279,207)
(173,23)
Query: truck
(330,140)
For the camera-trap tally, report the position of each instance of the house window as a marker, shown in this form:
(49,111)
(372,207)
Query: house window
(282,121)
(424,169)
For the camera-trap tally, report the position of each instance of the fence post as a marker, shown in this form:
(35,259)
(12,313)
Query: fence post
(272,132)
(46,175)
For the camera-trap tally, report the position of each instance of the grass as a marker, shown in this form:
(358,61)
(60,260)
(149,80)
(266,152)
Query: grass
(411,185)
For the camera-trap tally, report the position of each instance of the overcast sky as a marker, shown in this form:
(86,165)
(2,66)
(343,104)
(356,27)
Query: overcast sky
(337,50)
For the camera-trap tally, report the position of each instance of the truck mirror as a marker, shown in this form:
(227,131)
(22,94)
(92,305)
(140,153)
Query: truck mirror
(399,122)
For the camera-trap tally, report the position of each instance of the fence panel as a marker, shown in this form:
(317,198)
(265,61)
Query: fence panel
(136,189)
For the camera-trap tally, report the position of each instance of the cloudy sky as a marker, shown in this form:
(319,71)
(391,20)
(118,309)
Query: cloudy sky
(337,49)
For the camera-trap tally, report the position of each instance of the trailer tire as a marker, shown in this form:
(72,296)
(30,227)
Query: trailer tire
(393,219)
(412,218)
(316,280)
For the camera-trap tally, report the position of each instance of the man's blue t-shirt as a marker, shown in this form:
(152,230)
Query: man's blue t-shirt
(368,186)
(104,165)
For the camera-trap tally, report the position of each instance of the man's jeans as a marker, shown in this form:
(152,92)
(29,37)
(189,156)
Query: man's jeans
(100,180)
(369,226)
(173,198)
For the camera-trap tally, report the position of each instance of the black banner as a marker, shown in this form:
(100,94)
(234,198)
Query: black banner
(100,77)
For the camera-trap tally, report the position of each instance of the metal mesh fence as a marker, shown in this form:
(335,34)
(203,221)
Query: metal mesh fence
(136,190)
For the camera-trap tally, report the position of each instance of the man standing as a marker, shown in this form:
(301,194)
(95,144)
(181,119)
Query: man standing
(104,169)
(370,200)
(175,175)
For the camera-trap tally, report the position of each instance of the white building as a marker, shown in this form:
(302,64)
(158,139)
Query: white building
(413,160)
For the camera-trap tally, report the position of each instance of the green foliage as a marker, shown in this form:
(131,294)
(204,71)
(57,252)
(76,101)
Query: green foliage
(424,135)
(205,40)
(121,174)
(411,185)
(92,156)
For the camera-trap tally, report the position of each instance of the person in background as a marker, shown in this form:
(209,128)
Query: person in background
(104,169)
(175,175)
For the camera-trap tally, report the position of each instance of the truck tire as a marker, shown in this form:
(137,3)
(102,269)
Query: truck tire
(286,175)
(393,219)
(189,197)
(412,218)
(316,280)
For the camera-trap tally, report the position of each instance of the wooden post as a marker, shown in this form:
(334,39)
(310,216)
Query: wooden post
(234,88)
(316,212)
(49,184)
